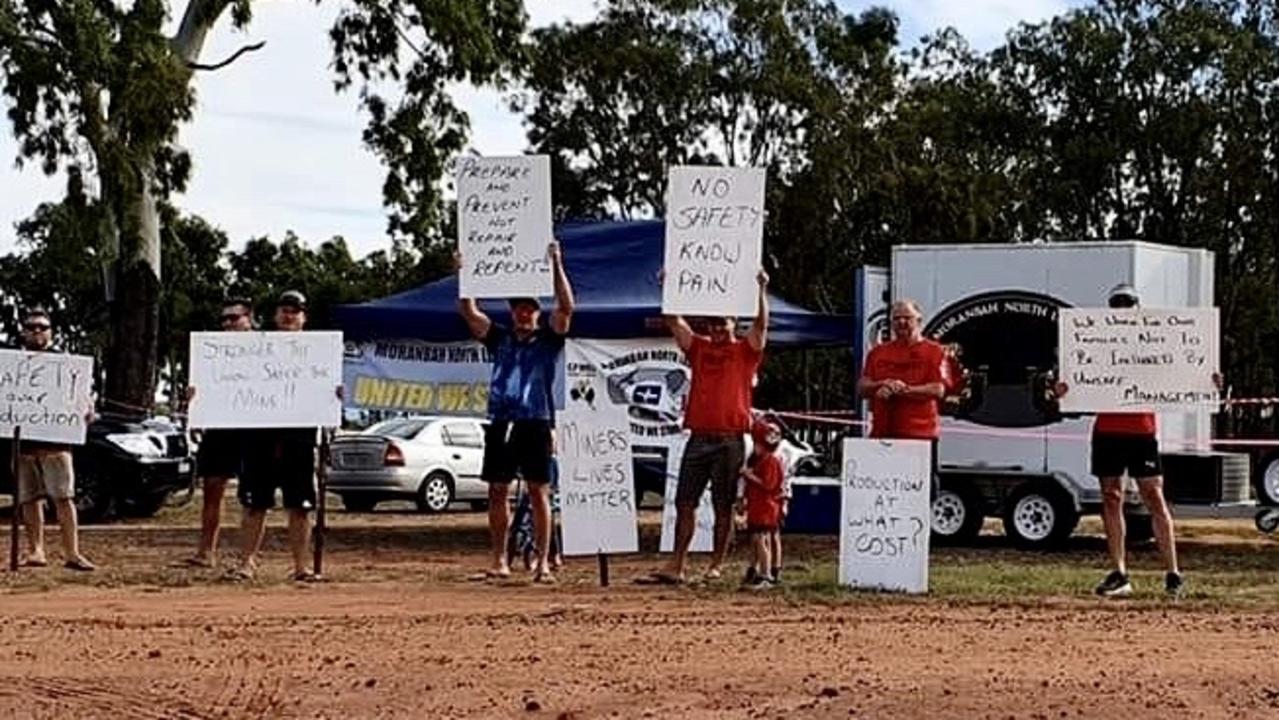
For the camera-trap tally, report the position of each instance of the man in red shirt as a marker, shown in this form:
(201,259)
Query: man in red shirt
(717,415)
(905,380)
(1128,442)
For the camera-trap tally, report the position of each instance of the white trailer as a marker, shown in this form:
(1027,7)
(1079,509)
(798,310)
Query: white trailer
(1004,451)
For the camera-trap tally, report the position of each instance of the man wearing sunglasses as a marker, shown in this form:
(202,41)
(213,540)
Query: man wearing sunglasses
(718,416)
(46,469)
(221,452)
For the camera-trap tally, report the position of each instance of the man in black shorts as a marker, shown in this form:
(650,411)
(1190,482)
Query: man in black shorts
(220,454)
(284,459)
(520,439)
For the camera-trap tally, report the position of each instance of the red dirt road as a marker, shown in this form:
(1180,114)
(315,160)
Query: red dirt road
(453,650)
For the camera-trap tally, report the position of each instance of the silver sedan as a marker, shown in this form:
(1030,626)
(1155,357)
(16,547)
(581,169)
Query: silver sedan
(432,460)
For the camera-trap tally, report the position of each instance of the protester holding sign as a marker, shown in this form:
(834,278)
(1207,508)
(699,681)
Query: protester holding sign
(284,459)
(46,469)
(221,452)
(717,416)
(1128,442)
(905,380)
(521,409)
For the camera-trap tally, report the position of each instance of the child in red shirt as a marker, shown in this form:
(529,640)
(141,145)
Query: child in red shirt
(762,496)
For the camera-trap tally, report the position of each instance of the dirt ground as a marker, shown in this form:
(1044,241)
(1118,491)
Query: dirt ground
(399,632)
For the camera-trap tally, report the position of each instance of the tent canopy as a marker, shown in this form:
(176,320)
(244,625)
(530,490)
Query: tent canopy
(613,267)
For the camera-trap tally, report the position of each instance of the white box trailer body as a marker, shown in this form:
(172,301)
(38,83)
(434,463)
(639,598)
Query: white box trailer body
(998,303)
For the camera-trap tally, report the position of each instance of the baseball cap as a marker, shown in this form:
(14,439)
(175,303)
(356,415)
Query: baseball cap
(529,300)
(766,433)
(1123,295)
(291,298)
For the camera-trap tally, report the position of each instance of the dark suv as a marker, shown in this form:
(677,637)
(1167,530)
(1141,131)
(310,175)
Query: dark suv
(126,467)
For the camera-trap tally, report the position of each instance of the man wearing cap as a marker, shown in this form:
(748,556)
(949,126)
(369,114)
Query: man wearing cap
(521,411)
(282,458)
(46,469)
(221,452)
(1128,442)
(718,416)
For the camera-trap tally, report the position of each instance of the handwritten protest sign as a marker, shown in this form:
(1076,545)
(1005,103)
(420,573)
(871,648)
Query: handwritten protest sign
(504,226)
(266,379)
(714,240)
(46,394)
(886,515)
(704,530)
(597,484)
(1133,359)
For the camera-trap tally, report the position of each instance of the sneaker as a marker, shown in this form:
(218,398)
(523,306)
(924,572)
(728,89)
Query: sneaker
(761,583)
(1174,585)
(1115,585)
(752,576)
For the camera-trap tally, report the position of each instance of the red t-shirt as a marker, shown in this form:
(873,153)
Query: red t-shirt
(1125,424)
(764,498)
(719,400)
(907,416)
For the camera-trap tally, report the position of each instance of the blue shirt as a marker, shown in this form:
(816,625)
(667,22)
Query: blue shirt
(523,374)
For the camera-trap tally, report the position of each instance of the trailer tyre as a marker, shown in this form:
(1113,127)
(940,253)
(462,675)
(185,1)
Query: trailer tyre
(1267,480)
(1039,515)
(957,517)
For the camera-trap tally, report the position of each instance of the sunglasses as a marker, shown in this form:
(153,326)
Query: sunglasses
(36,327)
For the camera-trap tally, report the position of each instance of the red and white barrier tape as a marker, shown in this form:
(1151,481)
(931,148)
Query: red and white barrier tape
(834,418)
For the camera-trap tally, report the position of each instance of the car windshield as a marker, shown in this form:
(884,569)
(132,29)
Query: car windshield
(402,428)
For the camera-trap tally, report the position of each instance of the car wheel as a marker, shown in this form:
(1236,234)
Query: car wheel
(1039,515)
(957,517)
(93,499)
(1267,481)
(435,493)
(1138,528)
(1267,520)
(145,506)
(358,503)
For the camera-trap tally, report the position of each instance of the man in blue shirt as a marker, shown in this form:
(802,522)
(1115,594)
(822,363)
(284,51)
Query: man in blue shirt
(521,409)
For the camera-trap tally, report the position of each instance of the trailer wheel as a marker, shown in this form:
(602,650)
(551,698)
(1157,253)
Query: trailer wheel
(1039,515)
(957,516)
(1266,480)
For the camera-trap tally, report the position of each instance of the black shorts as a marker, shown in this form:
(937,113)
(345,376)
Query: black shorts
(713,459)
(1136,455)
(278,459)
(220,455)
(517,448)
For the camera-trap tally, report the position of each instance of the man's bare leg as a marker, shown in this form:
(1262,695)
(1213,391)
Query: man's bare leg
(299,537)
(1112,518)
(540,505)
(253,527)
(33,518)
(1152,494)
(210,520)
(68,524)
(499,525)
(723,535)
(685,525)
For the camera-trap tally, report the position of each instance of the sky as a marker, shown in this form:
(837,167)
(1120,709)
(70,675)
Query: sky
(275,149)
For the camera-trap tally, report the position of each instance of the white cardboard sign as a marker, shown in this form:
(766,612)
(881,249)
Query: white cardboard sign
(1138,359)
(886,514)
(47,394)
(597,483)
(504,226)
(266,379)
(714,240)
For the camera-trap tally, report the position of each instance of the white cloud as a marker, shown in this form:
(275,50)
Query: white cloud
(276,149)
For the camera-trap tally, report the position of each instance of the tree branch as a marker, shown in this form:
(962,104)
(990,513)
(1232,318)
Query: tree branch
(218,66)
